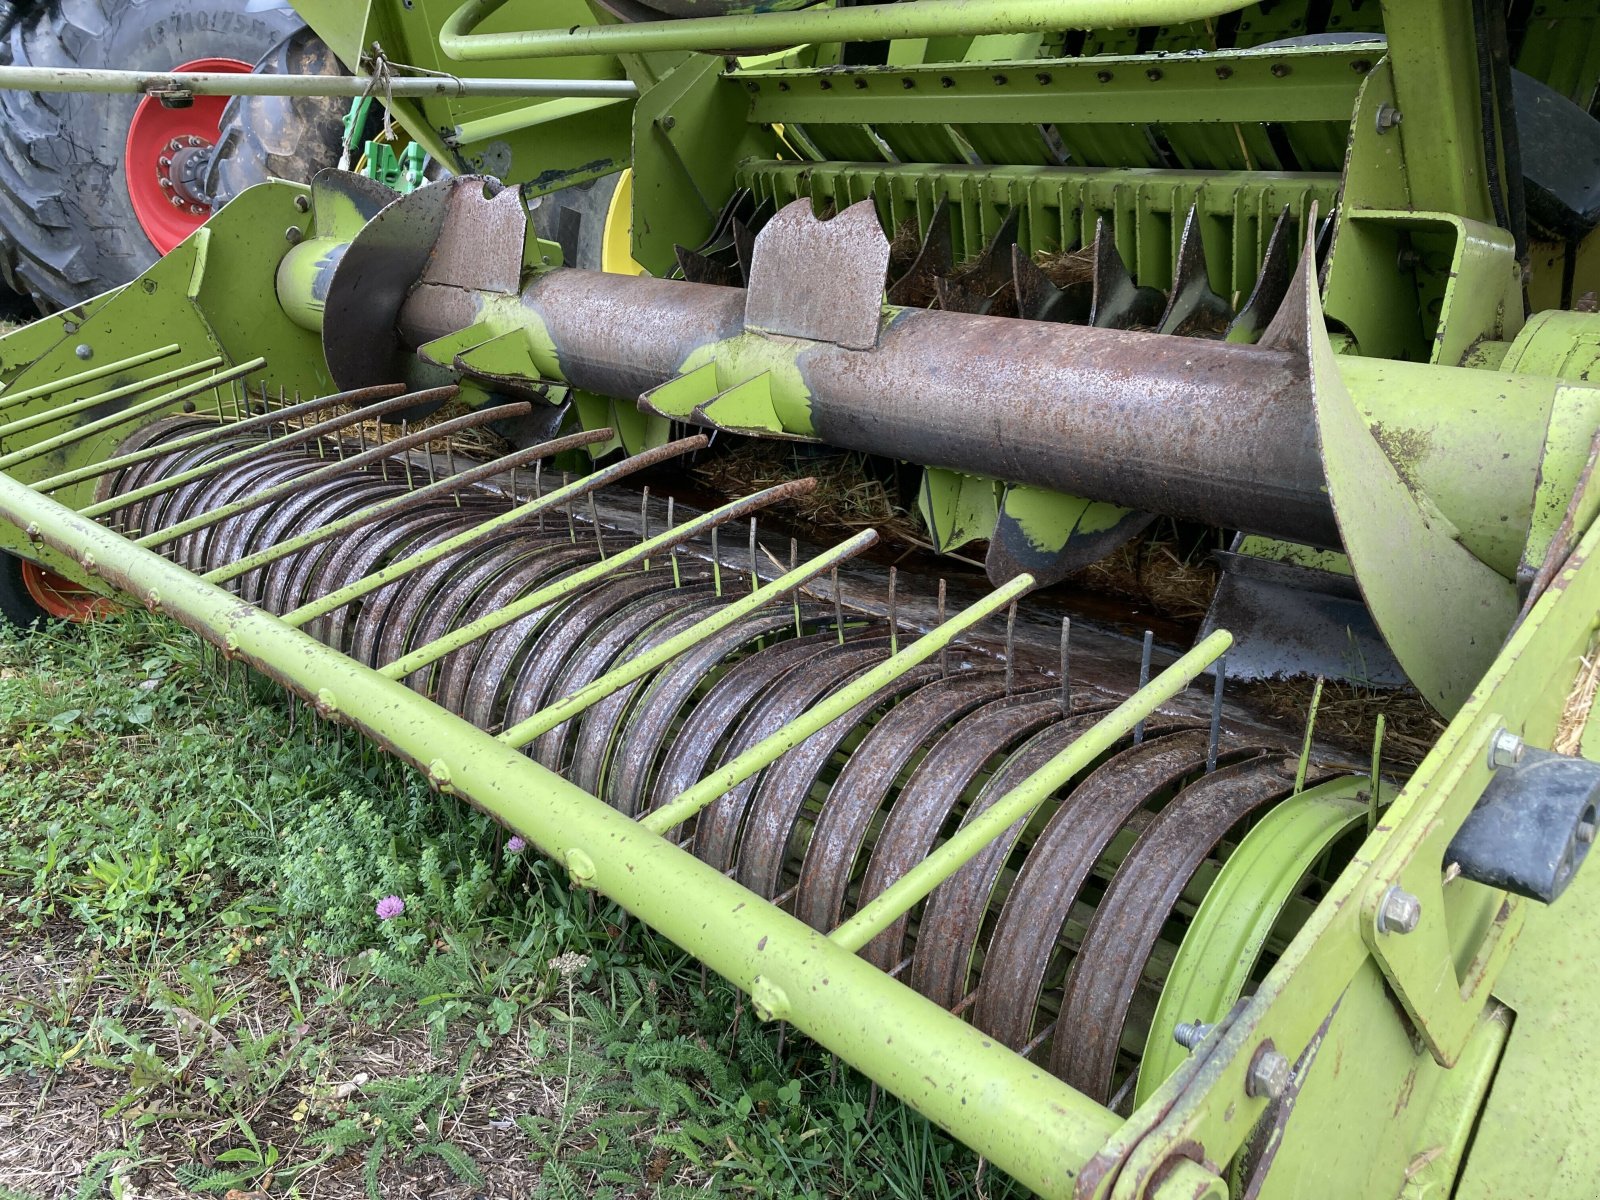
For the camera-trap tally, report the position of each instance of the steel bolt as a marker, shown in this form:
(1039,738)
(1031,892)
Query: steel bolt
(292,234)
(163,162)
(1586,831)
(165,182)
(1190,1034)
(1269,1074)
(1505,749)
(1399,912)
(1388,117)
(302,203)
(197,209)
(84,351)
(177,201)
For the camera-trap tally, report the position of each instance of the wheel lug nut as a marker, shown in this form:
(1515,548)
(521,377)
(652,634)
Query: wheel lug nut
(177,202)
(164,182)
(163,162)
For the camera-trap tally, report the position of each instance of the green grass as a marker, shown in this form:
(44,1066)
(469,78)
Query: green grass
(195,989)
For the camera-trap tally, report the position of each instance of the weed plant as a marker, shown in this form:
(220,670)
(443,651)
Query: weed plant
(197,992)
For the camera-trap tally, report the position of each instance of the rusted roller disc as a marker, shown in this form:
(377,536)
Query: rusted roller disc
(318,506)
(710,721)
(193,550)
(933,796)
(864,786)
(772,836)
(435,598)
(1127,922)
(459,671)
(533,648)
(207,493)
(718,827)
(129,479)
(389,539)
(955,912)
(664,702)
(1022,951)
(607,645)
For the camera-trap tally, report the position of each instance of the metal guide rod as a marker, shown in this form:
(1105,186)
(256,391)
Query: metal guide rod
(298,436)
(442,487)
(691,800)
(1024,1120)
(62,411)
(11,399)
(471,537)
(80,432)
(401,445)
(641,665)
(916,884)
(422,656)
(216,83)
(222,430)
(870,22)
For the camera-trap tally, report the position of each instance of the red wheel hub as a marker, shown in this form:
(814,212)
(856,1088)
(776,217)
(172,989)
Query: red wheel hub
(61,598)
(166,157)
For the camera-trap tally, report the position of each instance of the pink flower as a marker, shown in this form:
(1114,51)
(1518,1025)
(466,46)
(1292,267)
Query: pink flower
(516,845)
(390,907)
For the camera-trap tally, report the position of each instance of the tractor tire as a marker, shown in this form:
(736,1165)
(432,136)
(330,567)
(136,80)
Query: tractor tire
(68,226)
(18,609)
(280,137)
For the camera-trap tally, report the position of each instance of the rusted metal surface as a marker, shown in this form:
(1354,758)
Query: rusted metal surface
(822,281)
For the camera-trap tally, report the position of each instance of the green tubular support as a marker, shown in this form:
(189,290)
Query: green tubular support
(1239,912)
(1025,1121)
(691,800)
(377,454)
(298,437)
(61,412)
(431,653)
(640,665)
(443,487)
(155,404)
(871,22)
(579,487)
(11,399)
(916,884)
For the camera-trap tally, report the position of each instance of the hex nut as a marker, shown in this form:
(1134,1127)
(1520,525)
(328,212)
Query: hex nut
(1399,912)
(1269,1073)
(1505,749)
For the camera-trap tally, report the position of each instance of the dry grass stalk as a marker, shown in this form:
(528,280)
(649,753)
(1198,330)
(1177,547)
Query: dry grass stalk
(1575,716)
(1348,714)
(1149,570)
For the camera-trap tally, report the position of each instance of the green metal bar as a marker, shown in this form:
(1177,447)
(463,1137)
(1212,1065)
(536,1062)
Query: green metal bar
(132,412)
(424,656)
(894,901)
(1021,1118)
(63,411)
(224,428)
(310,433)
(323,605)
(641,665)
(871,22)
(222,512)
(11,399)
(443,487)
(691,800)
(212,83)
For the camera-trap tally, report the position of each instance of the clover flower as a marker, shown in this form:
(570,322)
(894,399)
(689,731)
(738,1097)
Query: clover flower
(390,907)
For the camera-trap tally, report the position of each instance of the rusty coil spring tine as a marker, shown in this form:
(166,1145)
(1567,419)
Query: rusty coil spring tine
(599,725)
(664,702)
(711,720)
(954,915)
(1022,951)
(356,558)
(557,639)
(718,827)
(458,670)
(783,803)
(324,505)
(934,794)
(606,644)
(866,785)
(434,595)
(1127,922)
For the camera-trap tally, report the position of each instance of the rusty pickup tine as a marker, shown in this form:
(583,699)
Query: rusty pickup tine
(224,429)
(299,437)
(398,446)
(449,485)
